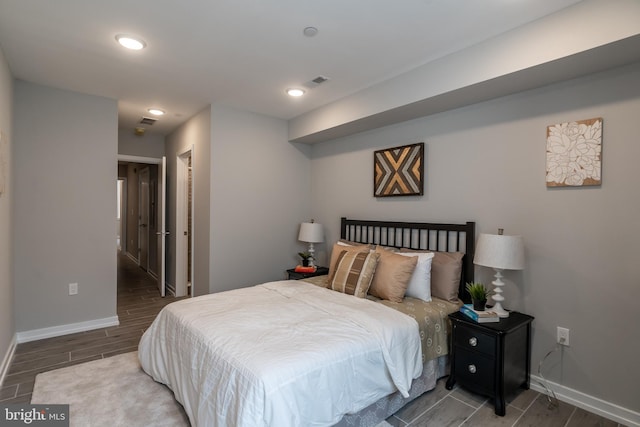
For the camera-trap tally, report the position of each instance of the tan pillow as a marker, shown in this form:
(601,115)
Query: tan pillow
(446,268)
(392,275)
(354,272)
(337,248)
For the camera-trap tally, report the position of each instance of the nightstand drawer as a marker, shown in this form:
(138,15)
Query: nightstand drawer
(475,370)
(471,339)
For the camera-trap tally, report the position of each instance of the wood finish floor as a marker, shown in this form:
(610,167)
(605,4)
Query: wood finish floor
(139,302)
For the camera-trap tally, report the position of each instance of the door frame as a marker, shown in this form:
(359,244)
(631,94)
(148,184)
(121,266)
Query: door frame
(123,213)
(182,217)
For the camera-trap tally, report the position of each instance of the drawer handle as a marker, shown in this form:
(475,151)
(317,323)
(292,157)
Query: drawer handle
(472,369)
(473,341)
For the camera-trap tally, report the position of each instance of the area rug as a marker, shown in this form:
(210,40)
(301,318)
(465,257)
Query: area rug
(112,392)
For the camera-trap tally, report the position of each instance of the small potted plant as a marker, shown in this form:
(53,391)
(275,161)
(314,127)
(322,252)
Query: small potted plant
(478,294)
(306,256)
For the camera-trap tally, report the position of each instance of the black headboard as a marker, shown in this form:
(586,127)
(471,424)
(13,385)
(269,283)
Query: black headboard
(418,235)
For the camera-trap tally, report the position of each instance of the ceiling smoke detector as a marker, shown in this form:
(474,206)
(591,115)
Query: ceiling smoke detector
(310,31)
(139,131)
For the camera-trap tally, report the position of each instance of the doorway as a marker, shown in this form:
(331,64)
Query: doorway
(144,216)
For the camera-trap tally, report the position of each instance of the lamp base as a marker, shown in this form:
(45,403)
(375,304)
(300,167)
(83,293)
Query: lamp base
(497,295)
(499,310)
(312,258)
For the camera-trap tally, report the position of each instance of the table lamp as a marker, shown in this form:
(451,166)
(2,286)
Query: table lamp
(311,232)
(499,252)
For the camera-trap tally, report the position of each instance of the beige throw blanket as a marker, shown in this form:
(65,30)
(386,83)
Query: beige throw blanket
(432,318)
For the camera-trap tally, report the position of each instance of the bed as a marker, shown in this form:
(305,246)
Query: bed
(291,353)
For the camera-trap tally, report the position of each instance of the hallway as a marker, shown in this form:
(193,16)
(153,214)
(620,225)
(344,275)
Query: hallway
(139,302)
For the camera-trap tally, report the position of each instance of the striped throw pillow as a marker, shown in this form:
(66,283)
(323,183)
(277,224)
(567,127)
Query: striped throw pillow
(354,272)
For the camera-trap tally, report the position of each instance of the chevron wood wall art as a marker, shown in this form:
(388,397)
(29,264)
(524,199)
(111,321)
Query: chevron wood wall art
(399,171)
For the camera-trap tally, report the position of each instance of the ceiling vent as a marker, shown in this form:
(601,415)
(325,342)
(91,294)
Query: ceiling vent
(148,121)
(316,82)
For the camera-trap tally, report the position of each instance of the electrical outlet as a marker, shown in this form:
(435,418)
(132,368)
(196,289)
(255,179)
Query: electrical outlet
(563,336)
(73,289)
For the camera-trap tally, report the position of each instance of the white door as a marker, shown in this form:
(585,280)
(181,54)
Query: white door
(162,225)
(184,224)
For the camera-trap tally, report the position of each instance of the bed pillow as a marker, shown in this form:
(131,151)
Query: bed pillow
(392,275)
(446,268)
(354,272)
(420,283)
(339,247)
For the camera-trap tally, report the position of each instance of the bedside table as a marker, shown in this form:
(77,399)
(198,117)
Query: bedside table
(493,359)
(320,271)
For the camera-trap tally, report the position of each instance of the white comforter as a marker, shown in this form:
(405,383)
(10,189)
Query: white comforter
(280,354)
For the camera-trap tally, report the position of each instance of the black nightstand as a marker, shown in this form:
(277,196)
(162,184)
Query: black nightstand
(492,359)
(320,271)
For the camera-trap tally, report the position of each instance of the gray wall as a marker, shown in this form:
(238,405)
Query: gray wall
(7,328)
(149,145)
(259,196)
(197,132)
(486,163)
(251,191)
(64,206)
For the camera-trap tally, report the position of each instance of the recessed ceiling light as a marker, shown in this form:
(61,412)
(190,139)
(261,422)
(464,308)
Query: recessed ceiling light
(156,111)
(295,92)
(130,42)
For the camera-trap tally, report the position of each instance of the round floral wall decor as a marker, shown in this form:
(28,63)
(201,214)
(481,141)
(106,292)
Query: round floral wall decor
(574,153)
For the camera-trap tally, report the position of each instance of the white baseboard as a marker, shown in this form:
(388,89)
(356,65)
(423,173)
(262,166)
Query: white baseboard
(589,403)
(56,331)
(6,361)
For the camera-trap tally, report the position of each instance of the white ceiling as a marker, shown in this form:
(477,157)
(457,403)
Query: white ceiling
(240,53)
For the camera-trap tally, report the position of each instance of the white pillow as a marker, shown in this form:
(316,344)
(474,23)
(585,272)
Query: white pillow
(420,282)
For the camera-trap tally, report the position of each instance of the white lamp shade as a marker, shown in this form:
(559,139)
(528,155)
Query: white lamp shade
(500,251)
(311,232)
